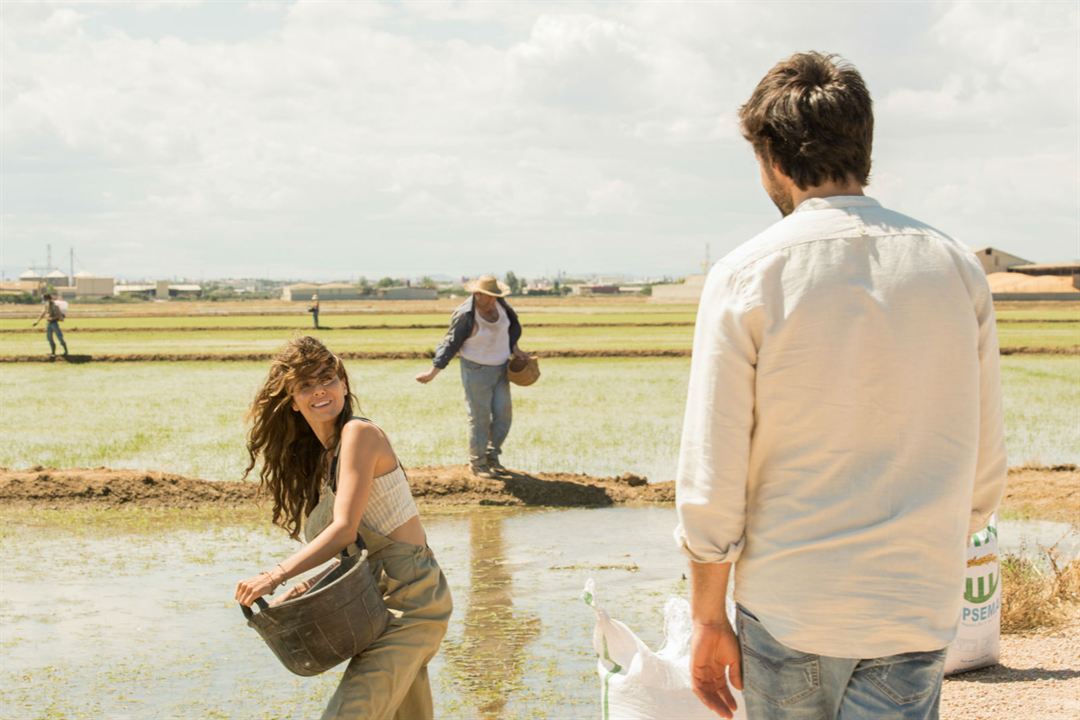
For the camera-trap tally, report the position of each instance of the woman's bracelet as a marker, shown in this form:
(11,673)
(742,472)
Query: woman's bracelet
(284,575)
(271,579)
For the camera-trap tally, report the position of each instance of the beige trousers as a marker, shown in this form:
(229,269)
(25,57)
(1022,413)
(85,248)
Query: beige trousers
(389,680)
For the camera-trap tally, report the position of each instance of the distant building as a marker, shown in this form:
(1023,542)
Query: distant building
(407,293)
(161,290)
(585,289)
(994,260)
(19,287)
(58,279)
(300,292)
(142,290)
(87,285)
(688,291)
(192,290)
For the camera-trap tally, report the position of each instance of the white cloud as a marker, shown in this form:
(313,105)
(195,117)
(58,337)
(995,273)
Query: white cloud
(584,130)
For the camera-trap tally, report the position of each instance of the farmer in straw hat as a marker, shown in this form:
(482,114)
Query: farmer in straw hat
(485,329)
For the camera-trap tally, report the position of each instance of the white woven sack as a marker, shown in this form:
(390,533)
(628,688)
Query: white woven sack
(639,684)
(978,639)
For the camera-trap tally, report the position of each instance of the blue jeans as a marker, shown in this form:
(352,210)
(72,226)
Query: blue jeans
(54,328)
(487,397)
(785,684)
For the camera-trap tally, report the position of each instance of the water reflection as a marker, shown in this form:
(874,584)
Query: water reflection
(488,661)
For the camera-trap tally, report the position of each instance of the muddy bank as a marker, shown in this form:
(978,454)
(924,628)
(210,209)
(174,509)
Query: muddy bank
(1047,493)
(454,485)
(347,354)
(414,326)
(415,355)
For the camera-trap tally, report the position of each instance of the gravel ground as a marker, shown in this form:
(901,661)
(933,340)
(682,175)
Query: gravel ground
(1038,678)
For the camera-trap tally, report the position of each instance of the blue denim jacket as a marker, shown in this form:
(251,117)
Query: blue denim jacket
(461,326)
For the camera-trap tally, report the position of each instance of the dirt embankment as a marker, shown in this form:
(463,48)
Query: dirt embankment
(323,328)
(454,485)
(413,355)
(347,354)
(1050,493)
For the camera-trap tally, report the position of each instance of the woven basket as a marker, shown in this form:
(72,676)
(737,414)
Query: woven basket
(523,371)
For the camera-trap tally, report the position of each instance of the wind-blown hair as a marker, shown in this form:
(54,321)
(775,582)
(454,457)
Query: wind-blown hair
(294,462)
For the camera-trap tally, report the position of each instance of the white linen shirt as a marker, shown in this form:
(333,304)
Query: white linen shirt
(843,431)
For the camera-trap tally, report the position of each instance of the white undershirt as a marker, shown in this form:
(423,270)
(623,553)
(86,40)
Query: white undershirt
(490,342)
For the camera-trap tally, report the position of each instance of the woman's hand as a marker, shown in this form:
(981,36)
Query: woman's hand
(302,587)
(254,587)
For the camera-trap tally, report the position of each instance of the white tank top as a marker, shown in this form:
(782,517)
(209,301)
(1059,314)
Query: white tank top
(490,344)
(390,503)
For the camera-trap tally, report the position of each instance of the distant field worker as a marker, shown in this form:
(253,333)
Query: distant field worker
(335,475)
(843,433)
(55,316)
(314,310)
(486,330)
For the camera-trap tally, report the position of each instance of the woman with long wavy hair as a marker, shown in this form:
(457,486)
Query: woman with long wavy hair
(332,475)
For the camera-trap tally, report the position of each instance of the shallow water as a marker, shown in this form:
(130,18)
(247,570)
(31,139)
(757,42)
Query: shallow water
(142,625)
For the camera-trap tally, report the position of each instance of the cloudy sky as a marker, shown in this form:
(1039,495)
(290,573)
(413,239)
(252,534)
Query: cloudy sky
(326,140)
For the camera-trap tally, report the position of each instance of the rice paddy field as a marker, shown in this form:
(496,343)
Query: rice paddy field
(601,416)
(621,328)
(145,626)
(597,415)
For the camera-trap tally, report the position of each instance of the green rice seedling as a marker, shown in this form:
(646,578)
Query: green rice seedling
(335,320)
(602,416)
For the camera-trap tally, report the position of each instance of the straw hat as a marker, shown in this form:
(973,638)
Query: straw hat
(523,372)
(488,285)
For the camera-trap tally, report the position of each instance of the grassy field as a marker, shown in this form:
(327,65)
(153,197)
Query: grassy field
(443,307)
(76,322)
(1042,335)
(611,338)
(625,332)
(600,416)
(1014,310)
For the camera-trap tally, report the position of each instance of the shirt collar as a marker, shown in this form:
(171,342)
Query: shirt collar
(837,201)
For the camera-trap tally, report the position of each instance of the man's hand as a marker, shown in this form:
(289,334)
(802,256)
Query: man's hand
(426,377)
(714,657)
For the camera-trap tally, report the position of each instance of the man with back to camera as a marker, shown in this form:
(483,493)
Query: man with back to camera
(843,433)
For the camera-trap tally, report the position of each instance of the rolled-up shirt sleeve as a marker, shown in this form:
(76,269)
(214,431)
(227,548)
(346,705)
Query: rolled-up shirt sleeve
(991,468)
(710,485)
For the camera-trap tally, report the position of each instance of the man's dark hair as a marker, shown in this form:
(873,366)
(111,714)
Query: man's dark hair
(46,296)
(812,116)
